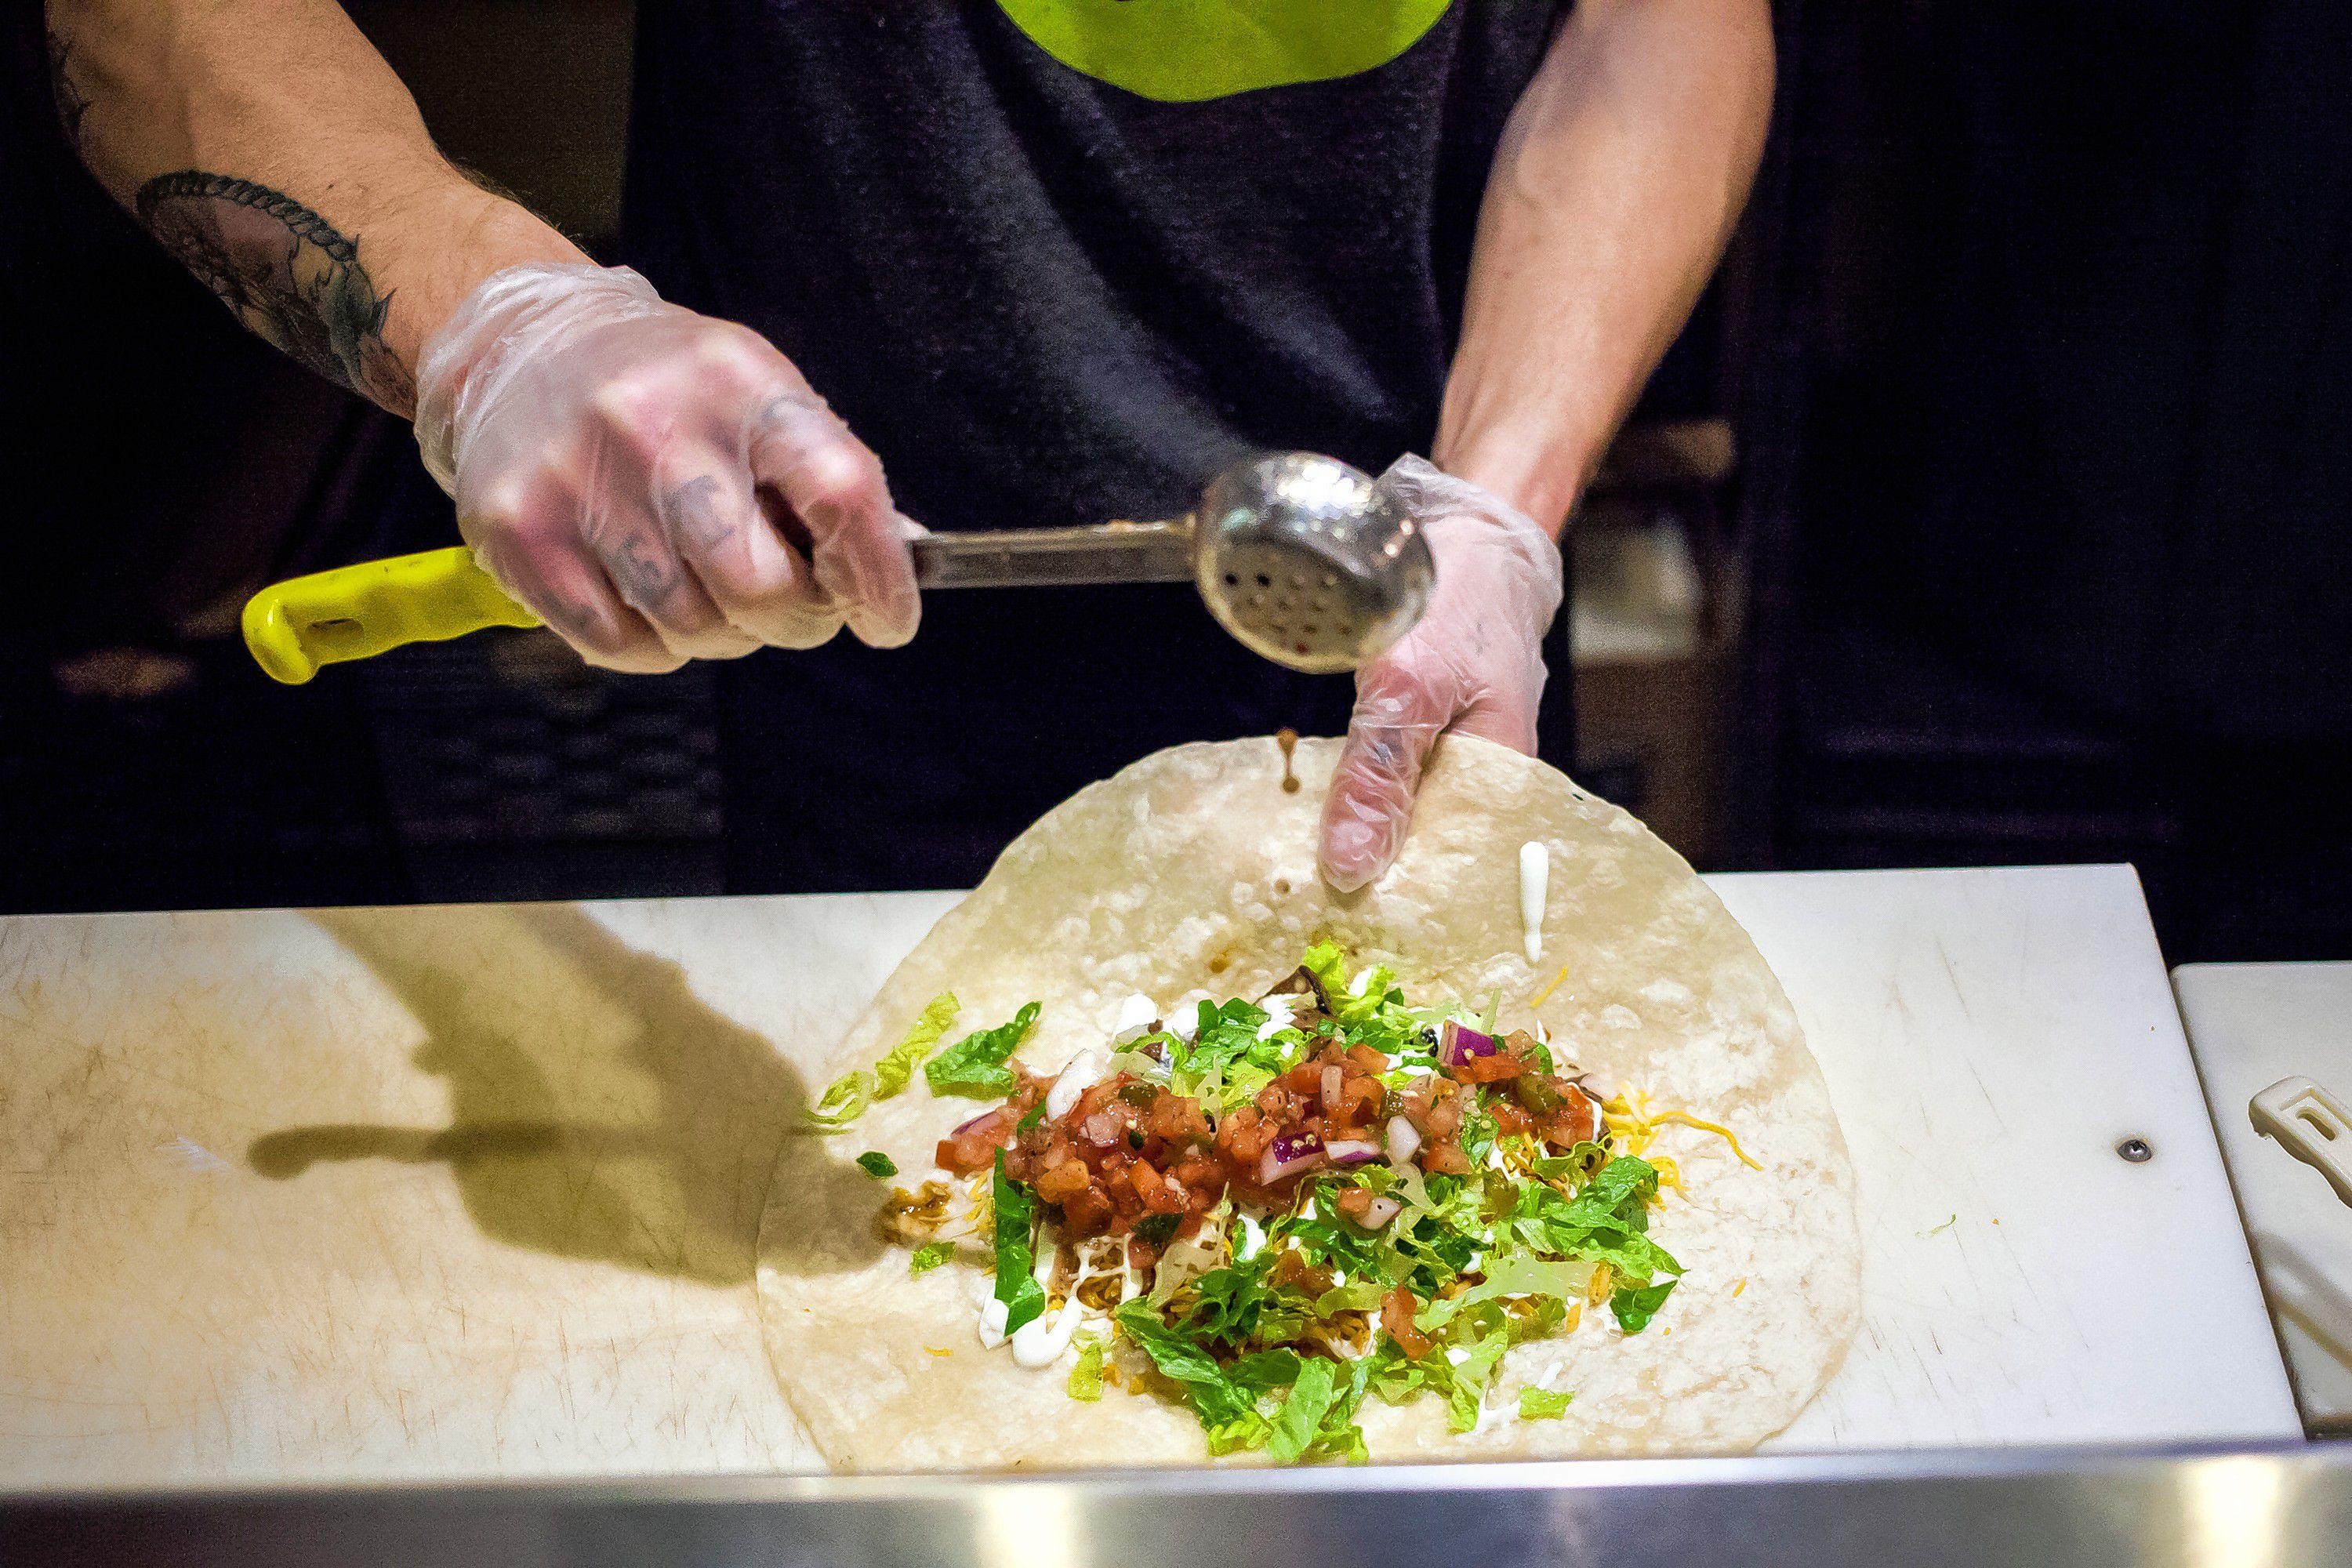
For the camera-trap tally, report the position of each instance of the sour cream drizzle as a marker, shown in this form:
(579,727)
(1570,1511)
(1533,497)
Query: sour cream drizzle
(1535,876)
(1037,1343)
(1277,1015)
(1138,1013)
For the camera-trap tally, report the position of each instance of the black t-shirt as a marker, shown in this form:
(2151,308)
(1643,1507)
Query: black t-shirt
(1048,299)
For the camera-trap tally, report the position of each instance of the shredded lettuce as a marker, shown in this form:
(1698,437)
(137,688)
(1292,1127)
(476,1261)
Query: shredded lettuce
(929,1257)
(1326,966)
(1316,1416)
(1301,1416)
(1363,1296)
(1339,1437)
(1624,1188)
(1213,1396)
(1549,1313)
(1605,1223)
(1562,1279)
(1433,1242)
(1478,1338)
(974,1065)
(1135,1064)
(842,1102)
(1372,1013)
(1187,1258)
(1543,1404)
(1477,1133)
(1023,1298)
(1225,1061)
(1635,1305)
(896,1069)
(1085,1378)
(1471,1375)
(876,1164)
(1226,1302)
(847,1098)
(1578,1164)
(1243,1079)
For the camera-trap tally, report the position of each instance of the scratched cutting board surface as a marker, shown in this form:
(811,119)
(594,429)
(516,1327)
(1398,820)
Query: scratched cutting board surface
(458,1193)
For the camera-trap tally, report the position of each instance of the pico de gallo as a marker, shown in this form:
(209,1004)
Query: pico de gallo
(1272,1210)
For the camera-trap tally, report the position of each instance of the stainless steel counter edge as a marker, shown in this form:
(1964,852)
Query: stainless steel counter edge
(2231,1507)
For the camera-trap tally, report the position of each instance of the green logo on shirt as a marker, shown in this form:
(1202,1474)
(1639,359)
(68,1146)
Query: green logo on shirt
(1183,51)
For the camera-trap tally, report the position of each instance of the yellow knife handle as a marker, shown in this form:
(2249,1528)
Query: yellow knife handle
(358,612)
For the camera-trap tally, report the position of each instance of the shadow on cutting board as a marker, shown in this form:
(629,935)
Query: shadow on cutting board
(600,1109)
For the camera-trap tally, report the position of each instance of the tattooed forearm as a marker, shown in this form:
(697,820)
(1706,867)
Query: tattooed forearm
(72,102)
(285,272)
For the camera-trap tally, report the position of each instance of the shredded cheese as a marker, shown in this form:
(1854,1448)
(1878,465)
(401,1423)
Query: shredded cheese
(1632,1122)
(1538,999)
(1687,1119)
(1632,1129)
(1597,1290)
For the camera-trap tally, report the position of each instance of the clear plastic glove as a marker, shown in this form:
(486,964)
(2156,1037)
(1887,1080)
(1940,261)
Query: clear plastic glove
(1474,664)
(629,470)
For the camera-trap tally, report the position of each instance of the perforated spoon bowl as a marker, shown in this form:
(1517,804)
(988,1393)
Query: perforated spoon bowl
(1309,562)
(1304,559)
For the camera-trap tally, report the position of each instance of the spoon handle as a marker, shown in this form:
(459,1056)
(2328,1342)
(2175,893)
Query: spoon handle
(359,611)
(1041,557)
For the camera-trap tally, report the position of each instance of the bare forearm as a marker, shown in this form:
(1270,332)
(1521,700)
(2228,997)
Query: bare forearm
(269,148)
(1624,168)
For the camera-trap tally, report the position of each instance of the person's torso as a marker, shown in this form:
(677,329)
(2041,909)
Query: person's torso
(1044,297)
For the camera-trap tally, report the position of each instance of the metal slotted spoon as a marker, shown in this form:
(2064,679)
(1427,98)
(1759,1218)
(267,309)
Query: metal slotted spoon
(1303,559)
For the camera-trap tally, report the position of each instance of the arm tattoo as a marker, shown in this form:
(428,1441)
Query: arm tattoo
(285,272)
(72,102)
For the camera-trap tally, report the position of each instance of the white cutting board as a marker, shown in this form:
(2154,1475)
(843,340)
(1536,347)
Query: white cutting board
(471,1192)
(1990,1038)
(2251,1025)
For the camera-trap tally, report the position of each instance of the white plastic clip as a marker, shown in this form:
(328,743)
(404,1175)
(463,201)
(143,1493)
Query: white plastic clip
(2312,1126)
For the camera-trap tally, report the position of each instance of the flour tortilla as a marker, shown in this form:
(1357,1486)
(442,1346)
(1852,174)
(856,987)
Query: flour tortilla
(1191,874)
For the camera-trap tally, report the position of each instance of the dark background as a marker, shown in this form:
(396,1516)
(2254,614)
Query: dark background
(2034,351)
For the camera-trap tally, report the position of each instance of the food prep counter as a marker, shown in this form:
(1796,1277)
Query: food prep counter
(469,1194)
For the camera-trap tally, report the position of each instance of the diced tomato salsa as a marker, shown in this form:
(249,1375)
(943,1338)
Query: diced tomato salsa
(1128,1152)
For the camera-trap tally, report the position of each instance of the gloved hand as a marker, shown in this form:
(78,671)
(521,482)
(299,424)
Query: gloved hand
(1474,664)
(627,468)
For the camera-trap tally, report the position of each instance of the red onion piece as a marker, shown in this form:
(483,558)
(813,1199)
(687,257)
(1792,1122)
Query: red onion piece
(1293,1145)
(1352,1151)
(975,1121)
(1331,1087)
(1287,1155)
(1379,1211)
(1404,1140)
(1457,1043)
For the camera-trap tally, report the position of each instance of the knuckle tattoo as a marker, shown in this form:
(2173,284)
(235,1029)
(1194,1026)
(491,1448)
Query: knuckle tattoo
(580,622)
(645,574)
(693,510)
